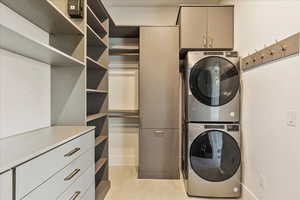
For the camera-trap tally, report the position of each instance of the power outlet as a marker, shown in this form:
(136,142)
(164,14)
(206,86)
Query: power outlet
(291,118)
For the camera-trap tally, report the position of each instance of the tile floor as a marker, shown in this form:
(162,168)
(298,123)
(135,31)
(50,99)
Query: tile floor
(126,186)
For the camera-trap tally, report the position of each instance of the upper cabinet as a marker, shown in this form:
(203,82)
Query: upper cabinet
(206,27)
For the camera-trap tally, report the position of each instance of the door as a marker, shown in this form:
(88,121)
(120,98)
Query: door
(159,77)
(215,156)
(193,27)
(220,27)
(159,154)
(214,81)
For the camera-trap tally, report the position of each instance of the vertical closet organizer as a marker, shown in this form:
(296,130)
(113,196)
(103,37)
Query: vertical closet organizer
(77,52)
(97,32)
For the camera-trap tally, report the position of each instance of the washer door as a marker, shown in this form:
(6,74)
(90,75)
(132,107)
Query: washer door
(215,156)
(214,81)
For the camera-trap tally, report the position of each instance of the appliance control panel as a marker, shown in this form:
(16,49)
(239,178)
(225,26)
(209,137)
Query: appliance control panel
(233,127)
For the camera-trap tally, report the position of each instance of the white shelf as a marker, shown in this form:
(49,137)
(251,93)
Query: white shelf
(96,91)
(93,39)
(45,15)
(19,44)
(95,23)
(91,63)
(95,116)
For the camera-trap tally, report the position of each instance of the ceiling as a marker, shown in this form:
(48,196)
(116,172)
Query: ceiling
(157,2)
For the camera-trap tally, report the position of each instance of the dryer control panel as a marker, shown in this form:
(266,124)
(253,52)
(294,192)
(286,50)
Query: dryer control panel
(233,127)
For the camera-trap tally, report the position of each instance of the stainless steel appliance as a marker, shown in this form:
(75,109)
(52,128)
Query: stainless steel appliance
(212,86)
(213,160)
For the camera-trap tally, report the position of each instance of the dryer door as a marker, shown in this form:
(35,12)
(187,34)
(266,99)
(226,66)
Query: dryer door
(215,156)
(214,81)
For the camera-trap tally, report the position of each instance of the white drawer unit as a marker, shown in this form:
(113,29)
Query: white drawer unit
(80,186)
(35,172)
(57,184)
(90,194)
(6,186)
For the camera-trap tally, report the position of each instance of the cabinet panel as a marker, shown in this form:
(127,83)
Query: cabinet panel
(159,77)
(33,173)
(193,22)
(57,184)
(6,186)
(220,27)
(158,156)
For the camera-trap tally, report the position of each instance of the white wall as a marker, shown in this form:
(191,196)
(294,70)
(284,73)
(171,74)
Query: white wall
(24,83)
(271,148)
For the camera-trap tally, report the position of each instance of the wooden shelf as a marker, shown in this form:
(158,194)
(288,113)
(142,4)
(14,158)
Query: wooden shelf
(20,44)
(93,39)
(124,54)
(95,23)
(95,116)
(96,91)
(99,164)
(102,189)
(124,116)
(91,63)
(124,49)
(98,9)
(124,111)
(45,15)
(100,139)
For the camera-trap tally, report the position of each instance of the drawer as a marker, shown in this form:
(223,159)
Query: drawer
(33,173)
(6,186)
(90,194)
(81,185)
(159,153)
(63,179)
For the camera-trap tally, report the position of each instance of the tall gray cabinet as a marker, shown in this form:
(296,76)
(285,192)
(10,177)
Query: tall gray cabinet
(159,102)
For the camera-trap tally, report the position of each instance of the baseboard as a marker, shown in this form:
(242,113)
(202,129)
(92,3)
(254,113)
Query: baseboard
(247,194)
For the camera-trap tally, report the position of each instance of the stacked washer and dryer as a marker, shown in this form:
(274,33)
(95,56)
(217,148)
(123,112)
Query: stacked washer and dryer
(211,139)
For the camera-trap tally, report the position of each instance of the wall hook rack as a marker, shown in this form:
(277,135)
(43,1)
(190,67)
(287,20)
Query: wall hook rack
(281,49)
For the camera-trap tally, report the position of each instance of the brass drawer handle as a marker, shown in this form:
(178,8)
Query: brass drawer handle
(75,195)
(72,152)
(70,176)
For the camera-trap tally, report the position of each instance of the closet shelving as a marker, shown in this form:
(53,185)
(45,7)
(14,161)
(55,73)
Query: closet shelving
(34,49)
(46,14)
(66,58)
(97,30)
(124,57)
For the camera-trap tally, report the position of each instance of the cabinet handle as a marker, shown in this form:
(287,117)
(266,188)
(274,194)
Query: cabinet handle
(159,133)
(70,176)
(75,195)
(72,152)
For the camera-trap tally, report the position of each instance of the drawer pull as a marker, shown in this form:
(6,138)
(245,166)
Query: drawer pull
(75,195)
(72,152)
(159,133)
(70,176)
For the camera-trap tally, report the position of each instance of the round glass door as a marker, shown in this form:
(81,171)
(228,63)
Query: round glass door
(214,81)
(215,156)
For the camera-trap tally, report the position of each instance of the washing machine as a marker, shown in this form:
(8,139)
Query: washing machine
(212,86)
(213,161)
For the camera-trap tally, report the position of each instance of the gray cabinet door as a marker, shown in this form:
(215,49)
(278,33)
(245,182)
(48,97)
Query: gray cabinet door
(220,27)
(158,154)
(193,27)
(159,77)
